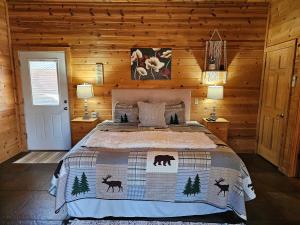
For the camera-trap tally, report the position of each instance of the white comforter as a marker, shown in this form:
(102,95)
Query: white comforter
(150,139)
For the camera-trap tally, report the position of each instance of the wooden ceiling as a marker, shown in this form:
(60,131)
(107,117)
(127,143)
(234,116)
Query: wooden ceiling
(140,1)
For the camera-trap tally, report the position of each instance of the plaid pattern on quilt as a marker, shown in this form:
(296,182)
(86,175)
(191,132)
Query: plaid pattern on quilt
(217,177)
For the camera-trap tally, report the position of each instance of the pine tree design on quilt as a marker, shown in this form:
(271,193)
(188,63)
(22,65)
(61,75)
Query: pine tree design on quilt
(196,185)
(188,187)
(174,120)
(124,119)
(192,188)
(75,187)
(80,187)
(84,183)
(171,120)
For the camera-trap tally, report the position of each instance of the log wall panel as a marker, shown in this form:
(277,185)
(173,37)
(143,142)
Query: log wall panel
(105,32)
(9,135)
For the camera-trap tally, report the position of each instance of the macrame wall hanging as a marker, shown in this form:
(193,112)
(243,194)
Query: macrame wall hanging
(215,62)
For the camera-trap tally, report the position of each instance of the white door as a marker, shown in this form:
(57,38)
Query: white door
(46,105)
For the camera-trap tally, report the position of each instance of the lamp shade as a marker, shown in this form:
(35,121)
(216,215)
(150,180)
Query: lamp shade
(215,92)
(85,91)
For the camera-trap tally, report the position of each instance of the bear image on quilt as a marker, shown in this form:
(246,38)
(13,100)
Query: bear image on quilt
(163,158)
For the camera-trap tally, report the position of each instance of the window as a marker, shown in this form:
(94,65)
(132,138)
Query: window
(44,82)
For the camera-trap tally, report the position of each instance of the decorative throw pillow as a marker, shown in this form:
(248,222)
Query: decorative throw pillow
(152,114)
(125,113)
(175,113)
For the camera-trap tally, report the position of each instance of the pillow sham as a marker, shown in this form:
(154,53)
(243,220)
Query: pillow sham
(125,113)
(175,113)
(152,114)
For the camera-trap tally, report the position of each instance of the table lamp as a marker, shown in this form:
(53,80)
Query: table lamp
(85,91)
(215,93)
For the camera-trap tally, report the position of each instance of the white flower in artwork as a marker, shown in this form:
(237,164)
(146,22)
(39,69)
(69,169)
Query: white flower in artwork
(141,71)
(167,54)
(154,63)
(156,49)
(137,54)
(133,57)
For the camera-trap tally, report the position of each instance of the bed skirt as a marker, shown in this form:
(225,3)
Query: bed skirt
(99,208)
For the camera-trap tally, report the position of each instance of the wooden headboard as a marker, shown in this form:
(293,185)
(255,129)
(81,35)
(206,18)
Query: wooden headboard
(153,95)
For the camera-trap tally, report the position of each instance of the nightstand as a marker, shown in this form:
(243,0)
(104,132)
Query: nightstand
(218,127)
(81,127)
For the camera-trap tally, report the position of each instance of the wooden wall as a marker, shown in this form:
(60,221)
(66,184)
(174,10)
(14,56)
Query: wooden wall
(284,25)
(284,21)
(8,121)
(105,32)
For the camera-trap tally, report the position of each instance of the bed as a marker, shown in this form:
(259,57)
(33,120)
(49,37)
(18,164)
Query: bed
(125,170)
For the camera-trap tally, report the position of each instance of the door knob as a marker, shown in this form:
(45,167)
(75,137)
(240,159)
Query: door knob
(65,108)
(281,115)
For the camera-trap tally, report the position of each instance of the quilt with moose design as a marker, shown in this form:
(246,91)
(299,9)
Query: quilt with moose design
(217,177)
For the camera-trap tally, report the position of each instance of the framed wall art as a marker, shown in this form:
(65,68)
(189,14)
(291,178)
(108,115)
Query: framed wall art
(151,63)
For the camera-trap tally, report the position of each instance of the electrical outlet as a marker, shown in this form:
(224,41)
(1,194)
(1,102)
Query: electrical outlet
(196,101)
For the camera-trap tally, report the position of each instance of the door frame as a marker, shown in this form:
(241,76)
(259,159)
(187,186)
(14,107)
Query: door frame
(269,49)
(294,162)
(295,148)
(19,91)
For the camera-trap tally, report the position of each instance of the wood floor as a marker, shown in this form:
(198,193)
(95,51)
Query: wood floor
(24,198)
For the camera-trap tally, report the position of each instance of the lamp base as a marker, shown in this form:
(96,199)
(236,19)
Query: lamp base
(213,115)
(86,117)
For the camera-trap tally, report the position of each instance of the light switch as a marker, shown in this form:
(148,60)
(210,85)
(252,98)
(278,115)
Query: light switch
(196,101)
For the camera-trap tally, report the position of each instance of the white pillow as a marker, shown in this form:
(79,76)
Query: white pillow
(152,114)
